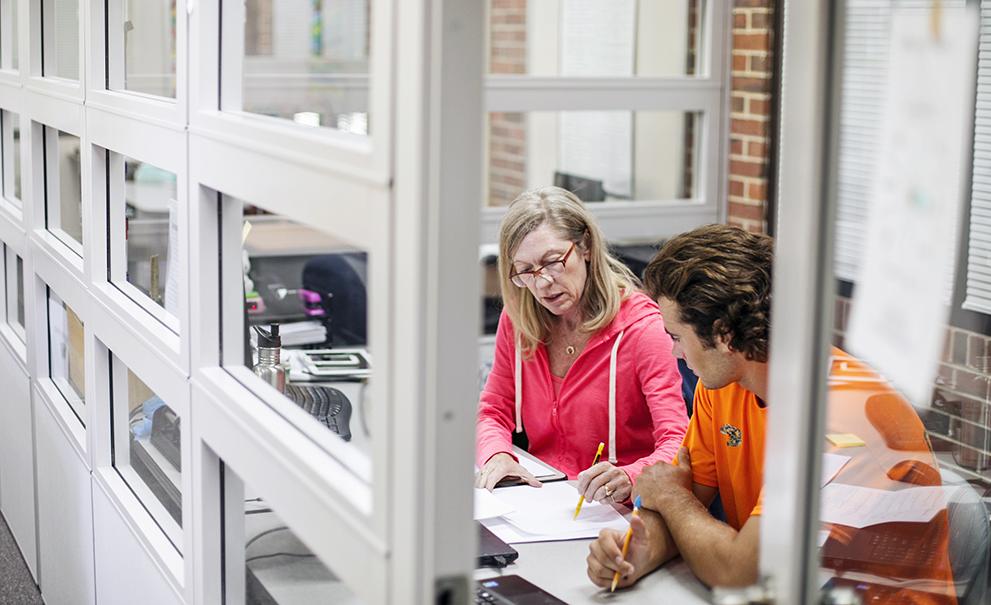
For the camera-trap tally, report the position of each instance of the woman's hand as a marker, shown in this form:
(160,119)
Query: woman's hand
(604,482)
(499,466)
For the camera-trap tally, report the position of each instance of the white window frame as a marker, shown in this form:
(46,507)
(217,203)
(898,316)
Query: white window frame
(705,93)
(47,84)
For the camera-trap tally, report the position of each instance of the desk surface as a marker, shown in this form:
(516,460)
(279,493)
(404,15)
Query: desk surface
(559,568)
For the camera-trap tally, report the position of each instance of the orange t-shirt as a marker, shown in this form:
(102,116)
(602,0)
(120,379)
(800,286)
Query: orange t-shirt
(725,439)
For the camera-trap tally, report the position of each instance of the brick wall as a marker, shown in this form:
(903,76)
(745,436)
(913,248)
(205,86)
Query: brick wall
(750,112)
(960,409)
(507,131)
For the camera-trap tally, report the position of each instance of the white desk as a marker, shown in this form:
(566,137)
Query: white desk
(560,569)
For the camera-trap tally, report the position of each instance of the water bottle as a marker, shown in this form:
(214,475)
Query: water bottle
(269,367)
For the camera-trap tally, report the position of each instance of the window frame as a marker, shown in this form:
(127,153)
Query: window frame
(705,94)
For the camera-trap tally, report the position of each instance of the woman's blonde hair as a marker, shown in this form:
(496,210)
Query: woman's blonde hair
(608,282)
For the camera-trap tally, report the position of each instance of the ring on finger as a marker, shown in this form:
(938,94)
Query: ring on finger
(609,492)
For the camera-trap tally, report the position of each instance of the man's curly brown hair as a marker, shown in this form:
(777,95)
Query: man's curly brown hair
(720,278)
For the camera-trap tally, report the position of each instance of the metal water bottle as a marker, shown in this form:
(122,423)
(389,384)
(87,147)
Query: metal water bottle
(269,367)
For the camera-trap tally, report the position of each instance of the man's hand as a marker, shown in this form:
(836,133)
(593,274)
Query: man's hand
(661,481)
(605,556)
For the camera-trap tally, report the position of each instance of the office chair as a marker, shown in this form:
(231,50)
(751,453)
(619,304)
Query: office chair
(340,281)
(970,538)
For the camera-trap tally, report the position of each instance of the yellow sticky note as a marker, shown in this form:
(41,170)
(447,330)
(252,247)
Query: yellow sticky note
(845,440)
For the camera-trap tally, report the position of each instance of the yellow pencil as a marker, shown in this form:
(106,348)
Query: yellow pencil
(581,499)
(626,542)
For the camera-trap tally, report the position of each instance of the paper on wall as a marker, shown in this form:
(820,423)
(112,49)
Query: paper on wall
(899,309)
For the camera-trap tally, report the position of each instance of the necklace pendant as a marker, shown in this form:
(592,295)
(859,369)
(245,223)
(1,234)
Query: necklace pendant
(570,349)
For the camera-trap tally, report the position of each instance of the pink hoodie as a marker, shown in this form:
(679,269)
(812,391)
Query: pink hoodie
(565,431)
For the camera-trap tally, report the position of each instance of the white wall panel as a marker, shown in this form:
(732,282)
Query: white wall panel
(125,572)
(17,457)
(65,523)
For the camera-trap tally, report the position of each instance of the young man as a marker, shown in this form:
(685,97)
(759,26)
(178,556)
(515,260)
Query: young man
(713,286)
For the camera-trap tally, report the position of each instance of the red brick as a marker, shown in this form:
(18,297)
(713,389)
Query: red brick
(736,148)
(737,104)
(736,187)
(746,212)
(751,42)
(739,62)
(751,127)
(751,84)
(746,168)
(760,20)
(759,107)
(740,21)
(760,64)
(751,3)
(756,149)
(757,191)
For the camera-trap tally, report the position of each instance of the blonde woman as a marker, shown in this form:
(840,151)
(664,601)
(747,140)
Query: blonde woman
(581,356)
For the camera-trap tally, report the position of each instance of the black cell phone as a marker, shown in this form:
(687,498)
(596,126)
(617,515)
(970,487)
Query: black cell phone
(513,590)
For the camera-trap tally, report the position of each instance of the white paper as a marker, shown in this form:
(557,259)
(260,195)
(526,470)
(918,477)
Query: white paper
(535,467)
(858,507)
(547,512)
(488,505)
(173,265)
(831,464)
(899,305)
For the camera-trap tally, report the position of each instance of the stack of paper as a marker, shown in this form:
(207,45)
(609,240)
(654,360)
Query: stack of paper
(545,514)
(299,333)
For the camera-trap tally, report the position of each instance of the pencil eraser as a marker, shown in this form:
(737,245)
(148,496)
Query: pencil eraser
(845,440)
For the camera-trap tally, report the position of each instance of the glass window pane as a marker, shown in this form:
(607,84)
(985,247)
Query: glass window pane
(10,125)
(150,47)
(147,452)
(308,62)
(313,288)
(151,223)
(592,38)
(63,190)
(599,155)
(60,33)
(65,355)
(278,566)
(20,292)
(8,34)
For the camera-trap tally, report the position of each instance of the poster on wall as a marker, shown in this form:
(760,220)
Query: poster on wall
(899,307)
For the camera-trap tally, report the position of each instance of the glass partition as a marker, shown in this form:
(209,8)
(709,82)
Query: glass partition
(145,234)
(60,38)
(279,568)
(10,148)
(659,38)
(307,62)
(149,31)
(147,450)
(303,297)
(66,357)
(14,280)
(63,190)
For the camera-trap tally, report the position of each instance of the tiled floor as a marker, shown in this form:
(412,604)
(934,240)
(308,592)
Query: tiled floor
(16,585)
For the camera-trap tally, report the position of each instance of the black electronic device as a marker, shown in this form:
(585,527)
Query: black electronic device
(893,547)
(512,590)
(492,551)
(328,405)
(586,189)
(165,433)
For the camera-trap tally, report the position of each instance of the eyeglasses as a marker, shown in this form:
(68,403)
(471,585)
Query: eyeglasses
(549,271)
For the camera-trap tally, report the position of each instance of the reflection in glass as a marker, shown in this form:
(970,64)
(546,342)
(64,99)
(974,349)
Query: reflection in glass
(655,38)
(150,47)
(151,214)
(308,62)
(64,200)
(20,292)
(65,355)
(598,155)
(278,566)
(60,33)
(153,463)
(14,280)
(10,132)
(312,289)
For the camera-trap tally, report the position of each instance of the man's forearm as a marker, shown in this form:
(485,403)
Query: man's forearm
(706,544)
